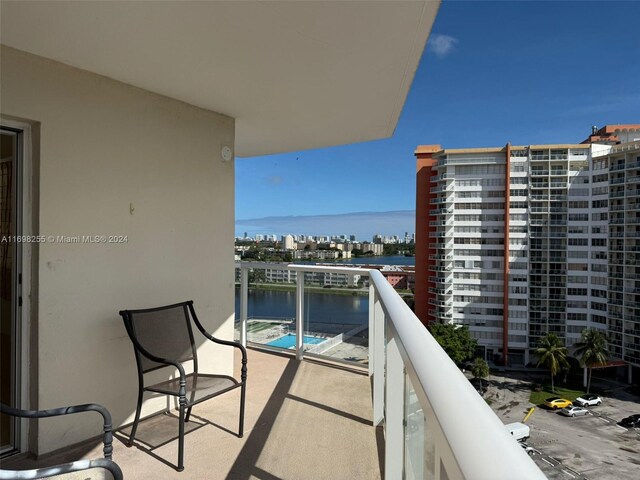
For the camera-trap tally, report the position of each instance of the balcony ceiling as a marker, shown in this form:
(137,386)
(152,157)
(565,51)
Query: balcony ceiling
(294,75)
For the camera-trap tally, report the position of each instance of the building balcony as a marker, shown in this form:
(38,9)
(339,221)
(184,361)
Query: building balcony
(301,419)
(539,156)
(538,173)
(397,413)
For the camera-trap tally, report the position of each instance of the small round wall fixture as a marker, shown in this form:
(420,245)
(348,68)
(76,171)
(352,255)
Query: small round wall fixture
(226,153)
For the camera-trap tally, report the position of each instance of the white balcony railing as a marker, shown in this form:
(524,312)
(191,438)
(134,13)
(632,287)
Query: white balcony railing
(436,425)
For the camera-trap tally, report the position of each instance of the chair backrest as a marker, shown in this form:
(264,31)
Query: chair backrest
(164,332)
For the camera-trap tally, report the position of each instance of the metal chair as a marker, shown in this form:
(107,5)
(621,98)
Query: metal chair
(163,337)
(77,466)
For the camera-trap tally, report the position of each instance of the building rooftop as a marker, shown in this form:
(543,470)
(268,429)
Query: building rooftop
(611,134)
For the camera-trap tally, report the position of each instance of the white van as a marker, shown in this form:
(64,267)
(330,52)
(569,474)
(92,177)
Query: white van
(518,430)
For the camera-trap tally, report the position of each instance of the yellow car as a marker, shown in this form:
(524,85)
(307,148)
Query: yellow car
(555,402)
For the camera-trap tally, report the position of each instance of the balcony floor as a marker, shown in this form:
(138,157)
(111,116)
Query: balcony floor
(304,420)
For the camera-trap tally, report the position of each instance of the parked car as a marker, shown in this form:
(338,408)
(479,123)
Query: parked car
(530,450)
(588,400)
(518,430)
(555,402)
(574,411)
(631,421)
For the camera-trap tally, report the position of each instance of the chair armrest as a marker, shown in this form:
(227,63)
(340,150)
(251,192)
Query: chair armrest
(62,469)
(243,351)
(56,412)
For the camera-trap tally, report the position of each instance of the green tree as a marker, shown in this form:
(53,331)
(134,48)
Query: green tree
(455,340)
(480,369)
(552,354)
(257,276)
(592,349)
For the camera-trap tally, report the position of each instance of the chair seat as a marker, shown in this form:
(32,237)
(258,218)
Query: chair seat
(199,386)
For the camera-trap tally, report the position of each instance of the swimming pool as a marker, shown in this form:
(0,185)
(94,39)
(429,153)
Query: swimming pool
(289,341)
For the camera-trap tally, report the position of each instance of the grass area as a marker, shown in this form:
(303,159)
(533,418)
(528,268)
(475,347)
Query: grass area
(539,397)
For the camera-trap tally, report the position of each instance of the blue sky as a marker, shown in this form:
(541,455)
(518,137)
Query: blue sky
(493,72)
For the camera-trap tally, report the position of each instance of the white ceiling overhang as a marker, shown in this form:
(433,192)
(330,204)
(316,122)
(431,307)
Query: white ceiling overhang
(294,75)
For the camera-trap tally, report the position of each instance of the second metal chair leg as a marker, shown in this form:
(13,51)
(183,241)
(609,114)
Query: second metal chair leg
(242,395)
(181,437)
(137,418)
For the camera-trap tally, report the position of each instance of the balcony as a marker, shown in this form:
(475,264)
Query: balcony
(302,417)
(409,413)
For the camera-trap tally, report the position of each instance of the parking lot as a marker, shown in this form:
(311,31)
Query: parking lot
(584,447)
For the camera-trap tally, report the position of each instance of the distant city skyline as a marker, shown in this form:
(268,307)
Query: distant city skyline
(493,72)
(362,224)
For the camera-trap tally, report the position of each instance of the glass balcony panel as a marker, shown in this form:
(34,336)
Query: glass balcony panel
(271,310)
(336,317)
(419,448)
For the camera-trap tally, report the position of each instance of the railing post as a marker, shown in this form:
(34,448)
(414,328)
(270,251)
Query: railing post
(376,355)
(244,302)
(394,420)
(372,334)
(299,314)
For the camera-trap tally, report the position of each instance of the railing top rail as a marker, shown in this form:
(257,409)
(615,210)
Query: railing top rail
(281,265)
(481,445)
(304,268)
(328,269)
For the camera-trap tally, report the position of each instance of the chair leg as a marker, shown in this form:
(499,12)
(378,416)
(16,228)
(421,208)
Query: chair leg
(186,419)
(242,395)
(137,418)
(181,435)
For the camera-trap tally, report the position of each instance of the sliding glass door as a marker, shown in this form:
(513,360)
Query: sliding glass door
(10,278)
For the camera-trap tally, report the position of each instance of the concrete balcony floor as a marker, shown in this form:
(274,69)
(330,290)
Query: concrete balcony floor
(304,420)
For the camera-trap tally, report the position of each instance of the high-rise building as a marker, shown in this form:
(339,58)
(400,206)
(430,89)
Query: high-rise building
(623,164)
(288,243)
(519,241)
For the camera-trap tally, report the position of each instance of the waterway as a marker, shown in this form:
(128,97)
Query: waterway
(343,312)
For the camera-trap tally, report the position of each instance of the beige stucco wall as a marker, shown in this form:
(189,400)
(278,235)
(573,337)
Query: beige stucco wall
(103,146)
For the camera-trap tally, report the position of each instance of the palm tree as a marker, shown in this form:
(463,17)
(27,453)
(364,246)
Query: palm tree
(592,349)
(552,354)
(480,370)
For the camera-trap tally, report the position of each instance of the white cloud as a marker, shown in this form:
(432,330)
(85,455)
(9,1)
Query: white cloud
(442,45)
(274,180)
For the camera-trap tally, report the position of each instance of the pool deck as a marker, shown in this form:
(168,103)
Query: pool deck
(304,420)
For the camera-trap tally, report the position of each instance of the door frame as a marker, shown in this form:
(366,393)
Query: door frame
(24,262)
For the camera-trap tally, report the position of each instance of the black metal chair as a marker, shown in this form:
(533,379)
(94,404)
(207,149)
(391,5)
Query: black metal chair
(77,466)
(163,337)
